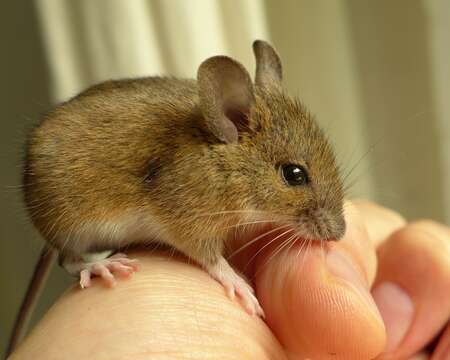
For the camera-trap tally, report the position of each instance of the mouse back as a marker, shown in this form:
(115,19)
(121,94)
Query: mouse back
(144,159)
(283,165)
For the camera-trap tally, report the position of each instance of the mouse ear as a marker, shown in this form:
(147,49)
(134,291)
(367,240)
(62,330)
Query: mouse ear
(269,71)
(226,96)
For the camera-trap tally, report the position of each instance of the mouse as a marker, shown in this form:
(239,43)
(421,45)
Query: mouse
(178,162)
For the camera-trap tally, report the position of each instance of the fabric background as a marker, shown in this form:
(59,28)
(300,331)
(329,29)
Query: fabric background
(375,73)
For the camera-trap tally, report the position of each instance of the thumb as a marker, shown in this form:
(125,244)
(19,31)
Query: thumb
(413,286)
(317,301)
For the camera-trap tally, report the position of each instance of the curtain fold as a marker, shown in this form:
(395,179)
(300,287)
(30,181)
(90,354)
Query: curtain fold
(375,74)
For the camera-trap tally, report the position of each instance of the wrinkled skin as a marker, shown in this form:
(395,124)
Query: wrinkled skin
(384,287)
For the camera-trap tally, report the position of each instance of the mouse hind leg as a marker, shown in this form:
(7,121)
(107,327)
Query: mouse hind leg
(208,254)
(235,286)
(107,268)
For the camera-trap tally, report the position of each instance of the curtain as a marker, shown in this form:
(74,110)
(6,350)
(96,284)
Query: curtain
(375,73)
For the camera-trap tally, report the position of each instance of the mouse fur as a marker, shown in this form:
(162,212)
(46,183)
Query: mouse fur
(132,160)
(181,162)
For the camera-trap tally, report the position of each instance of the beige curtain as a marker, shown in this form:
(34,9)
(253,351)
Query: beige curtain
(375,73)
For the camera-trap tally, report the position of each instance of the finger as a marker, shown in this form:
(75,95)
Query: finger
(420,356)
(132,263)
(380,221)
(318,302)
(169,310)
(121,270)
(442,351)
(412,286)
(85,279)
(357,243)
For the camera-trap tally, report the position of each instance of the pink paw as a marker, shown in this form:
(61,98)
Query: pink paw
(118,264)
(235,285)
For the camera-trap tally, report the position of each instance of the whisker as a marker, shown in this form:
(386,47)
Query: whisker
(308,246)
(352,182)
(322,249)
(224,212)
(293,238)
(289,242)
(232,212)
(249,223)
(363,156)
(303,244)
(257,238)
(293,241)
(266,245)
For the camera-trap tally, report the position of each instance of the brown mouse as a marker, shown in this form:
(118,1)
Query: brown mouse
(179,162)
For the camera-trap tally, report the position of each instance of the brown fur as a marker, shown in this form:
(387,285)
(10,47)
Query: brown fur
(143,149)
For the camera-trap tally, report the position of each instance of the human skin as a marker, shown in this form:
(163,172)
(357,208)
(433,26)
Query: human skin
(384,288)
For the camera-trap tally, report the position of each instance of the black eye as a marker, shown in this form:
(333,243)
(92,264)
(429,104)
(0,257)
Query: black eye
(295,175)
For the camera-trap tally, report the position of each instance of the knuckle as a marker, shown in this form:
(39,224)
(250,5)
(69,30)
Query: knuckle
(424,224)
(395,217)
(426,232)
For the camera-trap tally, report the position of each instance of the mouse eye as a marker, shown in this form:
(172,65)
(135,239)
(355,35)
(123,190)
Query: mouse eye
(295,175)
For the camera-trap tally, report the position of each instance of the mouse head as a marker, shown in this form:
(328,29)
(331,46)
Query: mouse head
(283,166)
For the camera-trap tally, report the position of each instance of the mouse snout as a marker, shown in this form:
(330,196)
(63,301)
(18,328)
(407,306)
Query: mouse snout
(323,224)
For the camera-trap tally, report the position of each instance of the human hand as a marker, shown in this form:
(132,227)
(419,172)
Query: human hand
(317,303)
(412,286)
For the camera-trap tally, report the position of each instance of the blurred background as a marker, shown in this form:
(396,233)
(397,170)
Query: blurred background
(375,73)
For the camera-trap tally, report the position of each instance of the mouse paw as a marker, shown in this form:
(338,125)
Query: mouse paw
(235,285)
(117,264)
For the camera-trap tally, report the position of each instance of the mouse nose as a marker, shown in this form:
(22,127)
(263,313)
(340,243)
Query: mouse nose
(337,226)
(325,224)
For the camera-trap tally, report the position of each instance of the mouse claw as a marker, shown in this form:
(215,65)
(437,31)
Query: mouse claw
(124,260)
(236,286)
(250,302)
(107,269)
(85,278)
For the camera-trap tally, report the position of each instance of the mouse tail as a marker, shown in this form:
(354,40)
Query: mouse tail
(41,272)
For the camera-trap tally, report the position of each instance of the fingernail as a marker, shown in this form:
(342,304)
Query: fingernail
(445,354)
(342,267)
(397,310)
(442,352)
